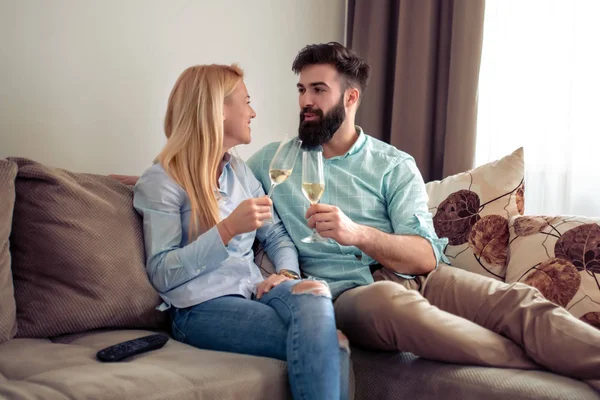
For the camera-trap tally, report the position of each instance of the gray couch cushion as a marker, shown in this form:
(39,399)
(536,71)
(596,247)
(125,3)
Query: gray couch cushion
(384,375)
(41,369)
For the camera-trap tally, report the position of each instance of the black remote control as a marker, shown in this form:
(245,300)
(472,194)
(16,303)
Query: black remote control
(132,347)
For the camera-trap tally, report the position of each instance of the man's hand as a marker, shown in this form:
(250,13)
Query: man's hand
(331,222)
(129,180)
(266,285)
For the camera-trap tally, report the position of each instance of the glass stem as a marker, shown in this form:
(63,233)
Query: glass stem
(271,190)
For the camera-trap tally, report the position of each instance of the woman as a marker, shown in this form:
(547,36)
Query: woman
(202,210)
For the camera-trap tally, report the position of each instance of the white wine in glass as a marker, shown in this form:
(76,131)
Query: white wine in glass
(313,185)
(313,191)
(279,175)
(283,162)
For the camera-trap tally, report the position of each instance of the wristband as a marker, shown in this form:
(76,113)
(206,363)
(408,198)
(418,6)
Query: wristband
(289,274)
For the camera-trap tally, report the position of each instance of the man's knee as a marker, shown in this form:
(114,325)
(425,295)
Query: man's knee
(385,299)
(380,311)
(312,287)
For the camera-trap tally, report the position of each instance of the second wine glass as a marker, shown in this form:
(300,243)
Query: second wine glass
(313,185)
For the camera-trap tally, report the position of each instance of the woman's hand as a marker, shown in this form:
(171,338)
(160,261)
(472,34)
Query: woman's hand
(269,283)
(248,216)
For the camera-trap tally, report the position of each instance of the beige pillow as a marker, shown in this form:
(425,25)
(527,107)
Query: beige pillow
(78,255)
(8,327)
(472,210)
(561,257)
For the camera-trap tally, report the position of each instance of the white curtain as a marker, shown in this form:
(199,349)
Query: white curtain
(540,88)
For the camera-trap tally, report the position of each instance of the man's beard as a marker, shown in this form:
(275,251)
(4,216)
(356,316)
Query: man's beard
(316,133)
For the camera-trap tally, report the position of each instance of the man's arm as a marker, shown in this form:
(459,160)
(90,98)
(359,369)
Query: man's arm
(412,255)
(413,248)
(406,254)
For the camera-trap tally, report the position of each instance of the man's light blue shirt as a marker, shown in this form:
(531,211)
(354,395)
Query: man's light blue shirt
(374,184)
(187,272)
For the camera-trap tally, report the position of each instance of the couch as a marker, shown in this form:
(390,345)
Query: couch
(72,281)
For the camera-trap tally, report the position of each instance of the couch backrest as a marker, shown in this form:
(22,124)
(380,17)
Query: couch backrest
(8,172)
(77,254)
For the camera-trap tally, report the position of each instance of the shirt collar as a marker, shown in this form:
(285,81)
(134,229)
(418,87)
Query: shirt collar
(226,159)
(357,146)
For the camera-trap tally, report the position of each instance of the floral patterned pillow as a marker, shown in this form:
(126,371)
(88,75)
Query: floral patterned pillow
(561,257)
(472,210)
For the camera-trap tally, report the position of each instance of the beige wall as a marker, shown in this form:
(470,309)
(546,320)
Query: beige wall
(84,84)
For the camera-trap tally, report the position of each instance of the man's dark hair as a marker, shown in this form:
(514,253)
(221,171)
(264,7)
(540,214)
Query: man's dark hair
(354,70)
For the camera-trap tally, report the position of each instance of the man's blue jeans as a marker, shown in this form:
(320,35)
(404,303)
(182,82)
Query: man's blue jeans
(295,327)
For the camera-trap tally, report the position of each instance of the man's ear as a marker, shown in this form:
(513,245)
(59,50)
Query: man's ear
(352,96)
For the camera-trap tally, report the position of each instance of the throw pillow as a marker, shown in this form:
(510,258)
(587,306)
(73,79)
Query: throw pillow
(8,327)
(78,254)
(560,256)
(472,210)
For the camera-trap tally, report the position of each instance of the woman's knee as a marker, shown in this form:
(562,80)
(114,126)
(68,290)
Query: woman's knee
(312,287)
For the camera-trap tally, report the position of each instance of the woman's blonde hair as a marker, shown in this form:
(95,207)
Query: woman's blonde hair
(194,130)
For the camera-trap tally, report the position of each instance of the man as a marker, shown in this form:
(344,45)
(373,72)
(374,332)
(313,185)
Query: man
(374,210)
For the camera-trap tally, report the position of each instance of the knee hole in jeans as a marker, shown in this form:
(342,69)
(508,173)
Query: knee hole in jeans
(311,287)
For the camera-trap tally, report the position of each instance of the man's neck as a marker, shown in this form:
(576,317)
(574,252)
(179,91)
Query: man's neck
(342,140)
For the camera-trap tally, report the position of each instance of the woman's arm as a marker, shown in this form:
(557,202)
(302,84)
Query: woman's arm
(159,200)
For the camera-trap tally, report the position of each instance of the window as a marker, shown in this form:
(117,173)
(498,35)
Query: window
(540,88)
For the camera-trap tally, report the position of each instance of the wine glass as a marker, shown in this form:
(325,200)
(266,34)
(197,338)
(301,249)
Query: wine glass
(313,184)
(283,161)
